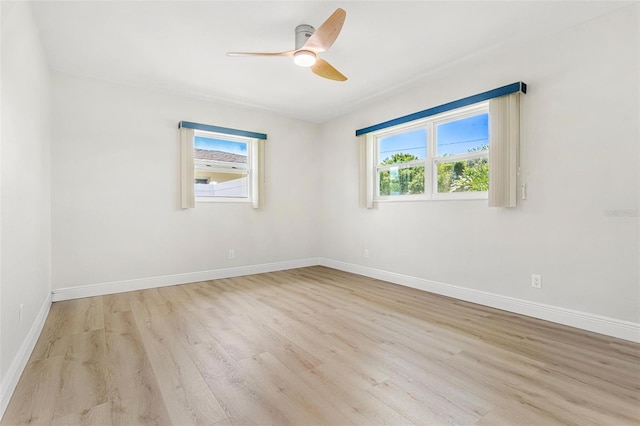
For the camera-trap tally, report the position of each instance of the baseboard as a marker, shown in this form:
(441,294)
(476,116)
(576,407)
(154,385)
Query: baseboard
(604,325)
(599,324)
(19,362)
(168,280)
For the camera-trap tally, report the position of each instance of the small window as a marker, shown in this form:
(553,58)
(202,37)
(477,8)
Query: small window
(443,157)
(222,167)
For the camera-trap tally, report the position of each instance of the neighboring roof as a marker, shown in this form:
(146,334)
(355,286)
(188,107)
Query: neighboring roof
(212,155)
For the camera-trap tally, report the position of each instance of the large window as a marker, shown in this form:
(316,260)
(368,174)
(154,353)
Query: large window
(444,156)
(222,166)
(463,149)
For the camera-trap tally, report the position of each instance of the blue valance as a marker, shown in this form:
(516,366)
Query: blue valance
(495,93)
(223,130)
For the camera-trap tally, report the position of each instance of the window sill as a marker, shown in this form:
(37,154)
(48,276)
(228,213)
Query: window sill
(222,200)
(471,196)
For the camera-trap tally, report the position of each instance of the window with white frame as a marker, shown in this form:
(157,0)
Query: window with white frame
(444,156)
(222,165)
(219,164)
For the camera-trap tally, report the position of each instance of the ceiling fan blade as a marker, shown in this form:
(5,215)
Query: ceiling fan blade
(326,70)
(326,34)
(287,53)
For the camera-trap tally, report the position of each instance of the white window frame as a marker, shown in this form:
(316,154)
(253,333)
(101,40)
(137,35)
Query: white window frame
(430,161)
(251,167)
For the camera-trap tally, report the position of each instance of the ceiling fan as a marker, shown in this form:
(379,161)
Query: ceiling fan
(310,42)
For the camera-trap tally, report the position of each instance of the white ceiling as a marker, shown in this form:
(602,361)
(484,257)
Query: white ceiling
(180,47)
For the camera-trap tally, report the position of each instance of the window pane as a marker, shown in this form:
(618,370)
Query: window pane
(402,181)
(221,184)
(210,149)
(403,147)
(464,176)
(461,136)
(220,168)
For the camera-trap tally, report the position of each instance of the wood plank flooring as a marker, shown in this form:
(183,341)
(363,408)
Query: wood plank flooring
(317,346)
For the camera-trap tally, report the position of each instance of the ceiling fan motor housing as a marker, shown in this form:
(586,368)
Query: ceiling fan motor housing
(303,32)
(309,42)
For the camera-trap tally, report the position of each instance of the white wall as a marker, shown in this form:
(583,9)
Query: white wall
(25,221)
(579,159)
(115,192)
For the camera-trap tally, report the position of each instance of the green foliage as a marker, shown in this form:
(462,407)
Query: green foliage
(404,180)
(474,177)
(464,176)
(484,147)
(457,176)
(445,176)
(399,157)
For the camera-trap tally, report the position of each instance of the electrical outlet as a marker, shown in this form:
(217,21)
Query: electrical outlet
(366,252)
(232,254)
(536,281)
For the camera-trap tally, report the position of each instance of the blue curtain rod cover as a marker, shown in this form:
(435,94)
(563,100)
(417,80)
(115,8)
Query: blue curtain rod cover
(223,130)
(495,93)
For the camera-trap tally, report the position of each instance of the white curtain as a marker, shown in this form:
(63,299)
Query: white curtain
(257,172)
(187,152)
(366,171)
(504,130)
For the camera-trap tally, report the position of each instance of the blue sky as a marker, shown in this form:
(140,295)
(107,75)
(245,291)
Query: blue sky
(454,137)
(413,142)
(457,137)
(220,145)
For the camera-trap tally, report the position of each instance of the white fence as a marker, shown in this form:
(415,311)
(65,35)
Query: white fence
(232,188)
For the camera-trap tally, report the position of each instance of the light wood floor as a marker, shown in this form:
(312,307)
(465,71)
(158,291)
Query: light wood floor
(317,346)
